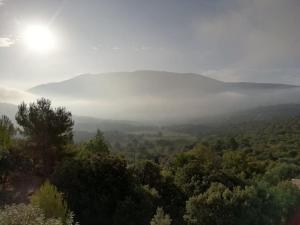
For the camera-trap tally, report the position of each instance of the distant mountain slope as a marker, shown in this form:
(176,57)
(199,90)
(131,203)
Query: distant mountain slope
(139,83)
(156,96)
(262,113)
(144,83)
(254,116)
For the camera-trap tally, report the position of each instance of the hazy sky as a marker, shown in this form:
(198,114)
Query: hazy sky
(232,40)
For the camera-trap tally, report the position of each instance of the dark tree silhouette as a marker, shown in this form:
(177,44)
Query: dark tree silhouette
(48,131)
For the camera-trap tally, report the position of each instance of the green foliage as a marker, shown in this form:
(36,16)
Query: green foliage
(287,198)
(148,145)
(160,218)
(168,194)
(28,215)
(97,145)
(47,129)
(7,130)
(195,170)
(239,174)
(222,206)
(51,202)
(282,172)
(101,190)
(148,173)
(242,165)
(233,144)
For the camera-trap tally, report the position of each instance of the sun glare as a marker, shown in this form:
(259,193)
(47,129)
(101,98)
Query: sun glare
(39,38)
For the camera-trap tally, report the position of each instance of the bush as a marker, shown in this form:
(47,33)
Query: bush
(51,202)
(160,218)
(28,215)
(101,190)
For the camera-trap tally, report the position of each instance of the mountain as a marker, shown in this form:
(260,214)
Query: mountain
(144,83)
(139,83)
(156,96)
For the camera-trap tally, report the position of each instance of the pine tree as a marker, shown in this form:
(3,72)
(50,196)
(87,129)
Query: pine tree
(97,144)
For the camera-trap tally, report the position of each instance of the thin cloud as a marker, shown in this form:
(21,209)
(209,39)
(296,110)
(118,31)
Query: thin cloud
(115,48)
(14,96)
(250,38)
(6,42)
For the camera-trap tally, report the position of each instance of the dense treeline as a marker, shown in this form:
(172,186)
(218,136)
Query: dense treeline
(240,175)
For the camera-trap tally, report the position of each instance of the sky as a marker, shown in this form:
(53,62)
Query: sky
(230,40)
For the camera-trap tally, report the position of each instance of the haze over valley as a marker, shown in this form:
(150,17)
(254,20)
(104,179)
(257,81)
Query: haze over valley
(155,96)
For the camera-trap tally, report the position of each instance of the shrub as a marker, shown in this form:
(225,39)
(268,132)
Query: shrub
(51,202)
(28,215)
(160,218)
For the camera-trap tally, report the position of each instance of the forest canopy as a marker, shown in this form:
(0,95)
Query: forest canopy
(240,175)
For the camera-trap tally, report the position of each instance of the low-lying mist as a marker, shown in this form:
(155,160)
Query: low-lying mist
(154,96)
(176,110)
(14,96)
(155,109)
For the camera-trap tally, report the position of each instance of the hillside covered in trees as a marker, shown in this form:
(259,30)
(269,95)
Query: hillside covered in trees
(233,173)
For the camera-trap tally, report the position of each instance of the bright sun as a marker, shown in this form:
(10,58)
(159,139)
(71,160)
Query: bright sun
(39,38)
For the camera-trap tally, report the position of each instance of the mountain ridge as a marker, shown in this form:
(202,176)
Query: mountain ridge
(145,82)
(93,75)
(161,96)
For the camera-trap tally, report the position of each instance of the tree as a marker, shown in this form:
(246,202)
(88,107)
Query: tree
(195,170)
(97,144)
(48,130)
(221,206)
(238,163)
(148,173)
(101,190)
(282,172)
(160,218)
(232,144)
(287,197)
(7,130)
